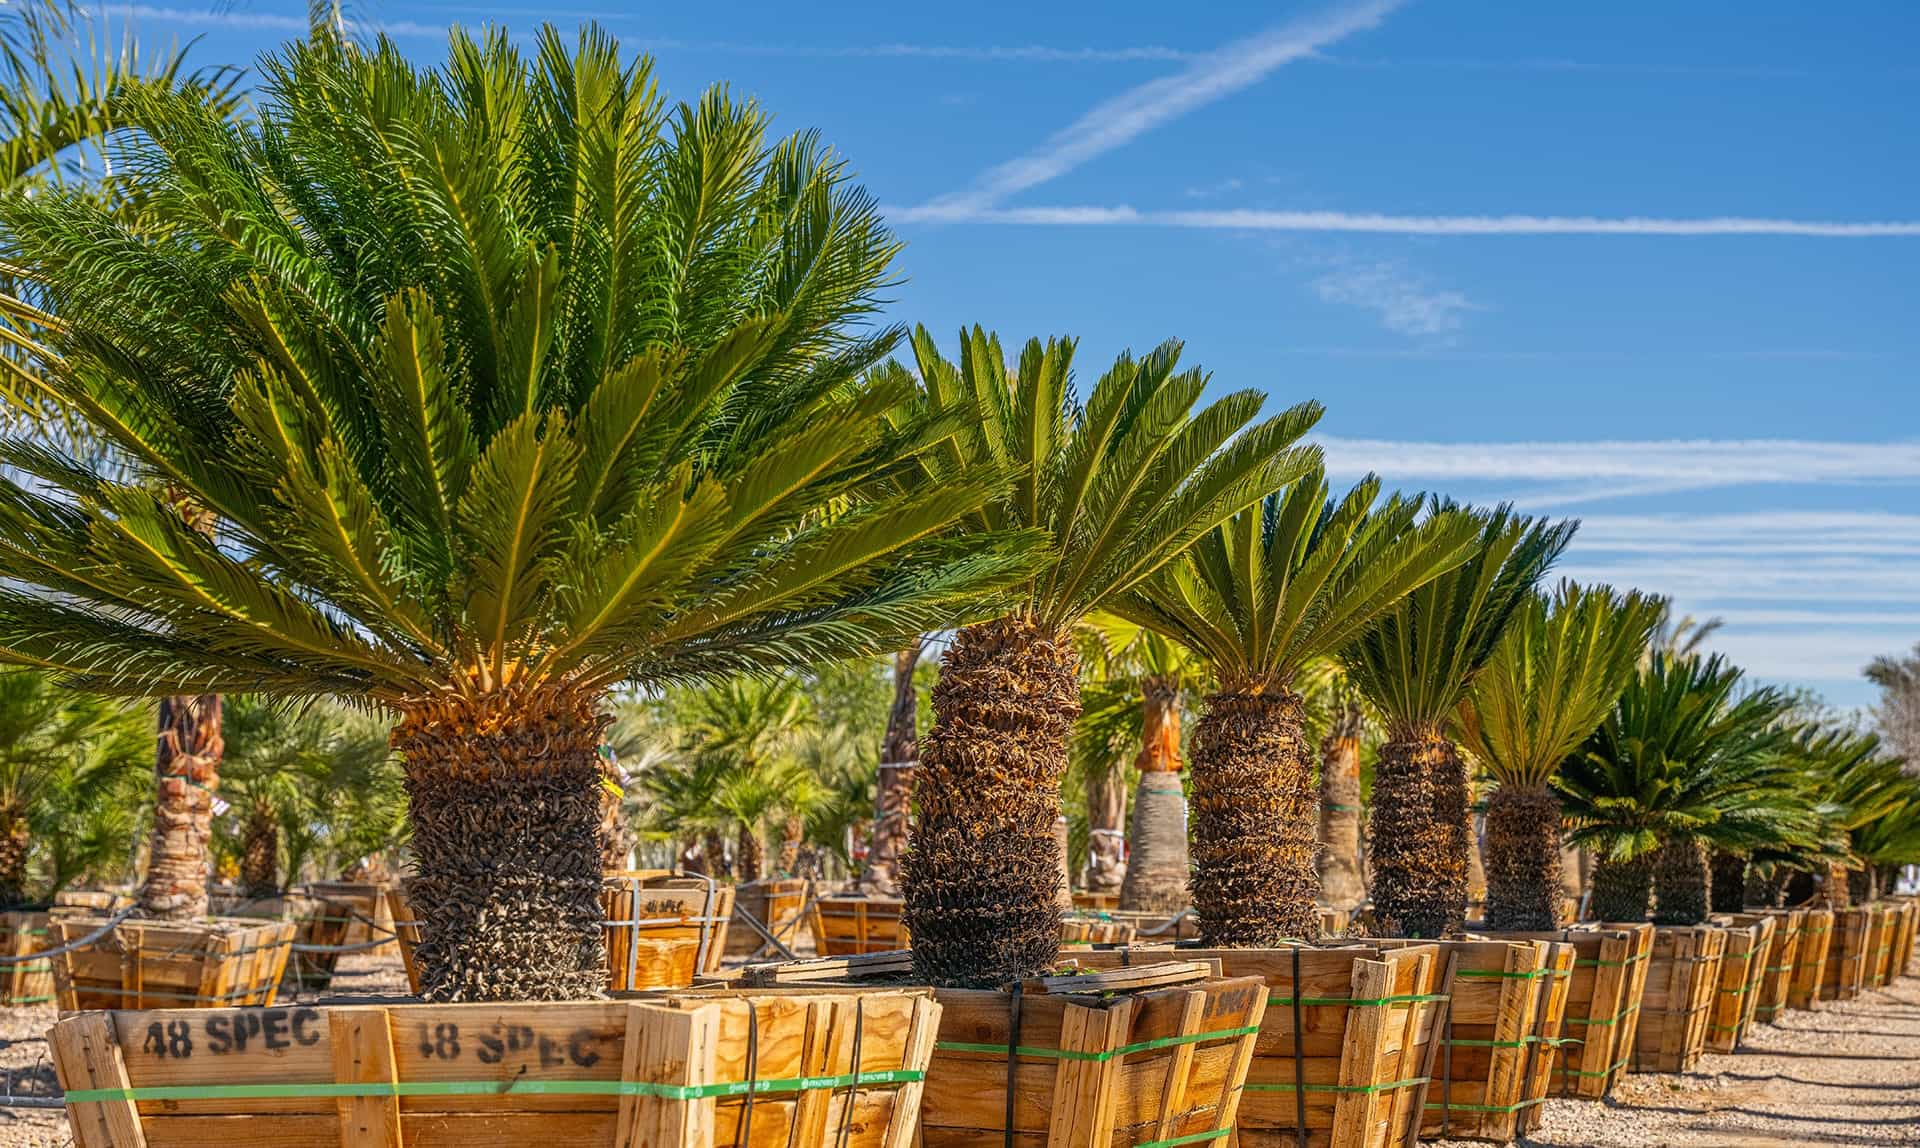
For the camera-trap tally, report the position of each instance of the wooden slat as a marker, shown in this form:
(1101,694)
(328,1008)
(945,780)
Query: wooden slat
(668,1046)
(363,1054)
(87,1055)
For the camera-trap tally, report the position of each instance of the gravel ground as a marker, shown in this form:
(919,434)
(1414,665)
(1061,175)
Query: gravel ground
(1848,1074)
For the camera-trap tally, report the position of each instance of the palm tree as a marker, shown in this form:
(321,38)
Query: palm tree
(58,750)
(1343,880)
(1117,487)
(893,791)
(1414,666)
(1260,598)
(1549,684)
(1684,760)
(504,383)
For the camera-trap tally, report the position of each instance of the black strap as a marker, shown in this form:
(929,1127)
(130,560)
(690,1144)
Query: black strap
(853,1094)
(1013,1057)
(743,1136)
(1299,1058)
(1446,1073)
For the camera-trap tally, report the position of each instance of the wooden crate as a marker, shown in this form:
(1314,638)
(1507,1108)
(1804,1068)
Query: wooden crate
(1110,1065)
(22,934)
(779,904)
(803,1071)
(1077,930)
(653,907)
(406,931)
(319,923)
(1776,979)
(1810,962)
(1096,902)
(1741,967)
(1846,973)
(1601,1010)
(1344,1053)
(188,964)
(849,926)
(1903,942)
(1503,1020)
(1881,945)
(369,908)
(1676,1009)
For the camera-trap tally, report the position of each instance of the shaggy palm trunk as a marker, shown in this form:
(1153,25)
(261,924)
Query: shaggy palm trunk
(1343,882)
(1106,835)
(1254,821)
(1682,882)
(1766,888)
(1860,888)
(1420,837)
(187,771)
(750,857)
(893,795)
(504,791)
(1157,865)
(1622,890)
(1523,858)
(616,836)
(1729,882)
(260,852)
(981,876)
(1837,889)
(15,844)
(792,830)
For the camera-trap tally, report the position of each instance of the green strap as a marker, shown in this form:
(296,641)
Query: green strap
(1502,974)
(1347,1089)
(1607,1071)
(1343,1002)
(1616,1018)
(1739,992)
(27,1000)
(1109,1054)
(516,1087)
(1551,1041)
(1502,1108)
(1189,1138)
(1599,964)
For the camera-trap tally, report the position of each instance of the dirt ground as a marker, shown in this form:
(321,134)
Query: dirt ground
(1848,1074)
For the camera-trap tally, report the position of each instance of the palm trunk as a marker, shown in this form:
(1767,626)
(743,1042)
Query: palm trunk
(1766,887)
(615,834)
(981,876)
(1343,882)
(1106,833)
(792,830)
(1523,859)
(1837,889)
(1420,838)
(16,842)
(1682,882)
(1254,821)
(750,857)
(1860,886)
(1729,882)
(1622,890)
(187,769)
(504,794)
(893,794)
(260,852)
(1157,865)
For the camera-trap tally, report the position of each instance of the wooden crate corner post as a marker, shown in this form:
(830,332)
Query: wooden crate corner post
(363,1055)
(676,1049)
(87,1059)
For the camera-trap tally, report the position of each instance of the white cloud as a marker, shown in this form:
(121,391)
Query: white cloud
(216,18)
(1118,121)
(1402,298)
(962,209)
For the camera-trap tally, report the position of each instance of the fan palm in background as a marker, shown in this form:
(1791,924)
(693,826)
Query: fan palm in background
(1260,598)
(1688,757)
(1116,487)
(1414,665)
(1549,684)
(498,384)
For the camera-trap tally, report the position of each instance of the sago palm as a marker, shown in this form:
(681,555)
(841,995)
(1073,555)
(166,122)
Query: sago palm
(1550,683)
(1414,665)
(1684,759)
(497,384)
(1270,591)
(1118,485)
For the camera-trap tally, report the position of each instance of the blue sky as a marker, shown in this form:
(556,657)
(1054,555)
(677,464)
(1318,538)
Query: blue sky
(1649,264)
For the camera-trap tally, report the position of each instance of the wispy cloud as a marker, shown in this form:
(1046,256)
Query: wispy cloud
(1402,298)
(1563,473)
(265,21)
(960,209)
(1118,121)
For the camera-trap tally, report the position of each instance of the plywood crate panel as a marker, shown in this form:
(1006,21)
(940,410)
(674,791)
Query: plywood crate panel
(1344,1052)
(1776,979)
(779,904)
(26,982)
(1741,966)
(1077,930)
(1810,961)
(368,907)
(1676,1009)
(802,1071)
(1846,970)
(1602,1005)
(850,926)
(147,964)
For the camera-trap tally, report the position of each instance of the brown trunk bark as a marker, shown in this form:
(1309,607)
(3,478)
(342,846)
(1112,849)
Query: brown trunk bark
(792,831)
(615,834)
(893,791)
(1420,839)
(1729,882)
(187,769)
(1523,859)
(1766,887)
(1254,883)
(1157,868)
(1836,889)
(16,842)
(1682,882)
(260,852)
(1622,890)
(750,857)
(1106,833)
(504,794)
(1343,882)
(1860,886)
(981,876)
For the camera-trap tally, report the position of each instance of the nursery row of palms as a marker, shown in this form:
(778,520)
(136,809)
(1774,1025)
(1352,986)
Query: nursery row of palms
(471,394)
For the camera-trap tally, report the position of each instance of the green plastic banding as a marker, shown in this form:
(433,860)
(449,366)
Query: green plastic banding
(1348,1089)
(1342,1002)
(1096,1057)
(518,1087)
